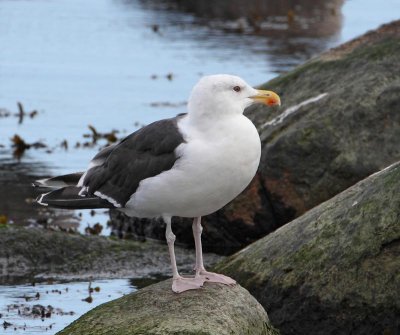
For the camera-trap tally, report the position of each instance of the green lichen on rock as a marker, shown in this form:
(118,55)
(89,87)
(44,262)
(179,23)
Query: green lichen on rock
(155,310)
(340,122)
(334,270)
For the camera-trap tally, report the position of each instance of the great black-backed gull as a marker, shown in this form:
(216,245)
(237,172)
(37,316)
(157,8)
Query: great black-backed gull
(189,166)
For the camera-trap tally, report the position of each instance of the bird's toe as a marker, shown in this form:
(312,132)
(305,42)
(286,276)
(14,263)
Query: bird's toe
(182,284)
(217,278)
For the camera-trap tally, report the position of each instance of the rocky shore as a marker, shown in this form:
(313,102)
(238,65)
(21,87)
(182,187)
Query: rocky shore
(334,270)
(326,193)
(33,254)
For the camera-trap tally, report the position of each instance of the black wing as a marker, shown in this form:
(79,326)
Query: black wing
(143,154)
(72,179)
(103,154)
(68,198)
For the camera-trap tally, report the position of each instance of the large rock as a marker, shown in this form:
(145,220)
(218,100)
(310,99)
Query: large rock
(339,123)
(156,310)
(334,270)
(30,254)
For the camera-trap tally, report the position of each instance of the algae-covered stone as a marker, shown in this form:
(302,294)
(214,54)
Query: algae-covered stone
(338,123)
(334,270)
(155,310)
(31,254)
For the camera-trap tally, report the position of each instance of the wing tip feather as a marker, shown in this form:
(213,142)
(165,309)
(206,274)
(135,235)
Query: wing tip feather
(112,201)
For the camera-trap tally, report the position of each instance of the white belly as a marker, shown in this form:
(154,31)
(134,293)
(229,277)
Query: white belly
(213,169)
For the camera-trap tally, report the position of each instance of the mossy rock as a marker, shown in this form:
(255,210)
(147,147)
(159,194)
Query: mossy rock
(335,269)
(339,123)
(155,310)
(31,254)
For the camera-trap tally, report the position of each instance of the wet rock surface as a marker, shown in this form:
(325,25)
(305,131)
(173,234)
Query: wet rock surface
(31,254)
(334,270)
(339,123)
(213,310)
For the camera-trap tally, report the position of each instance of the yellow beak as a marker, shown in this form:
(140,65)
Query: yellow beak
(268,98)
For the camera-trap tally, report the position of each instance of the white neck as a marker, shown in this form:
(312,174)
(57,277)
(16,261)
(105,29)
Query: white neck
(203,115)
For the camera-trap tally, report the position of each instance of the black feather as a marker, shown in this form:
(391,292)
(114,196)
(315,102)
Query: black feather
(69,198)
(143,154)
(59,181)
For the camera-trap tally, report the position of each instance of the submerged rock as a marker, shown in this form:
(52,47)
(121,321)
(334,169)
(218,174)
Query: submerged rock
(339,123)
(213,310)
(334,270)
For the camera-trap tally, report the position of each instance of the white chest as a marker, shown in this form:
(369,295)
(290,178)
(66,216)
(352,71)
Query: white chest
(229,152)
(214,167)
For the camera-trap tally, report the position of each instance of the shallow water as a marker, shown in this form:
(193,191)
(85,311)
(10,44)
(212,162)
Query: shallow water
(68,301)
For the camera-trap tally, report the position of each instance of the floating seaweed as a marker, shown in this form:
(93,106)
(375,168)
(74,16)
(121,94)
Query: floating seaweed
(19,145)
(89,299)
(111,136)
(20,114)
(37,310)
(4,112)
(95,230)
(6,324)
(64,144)
(155,28)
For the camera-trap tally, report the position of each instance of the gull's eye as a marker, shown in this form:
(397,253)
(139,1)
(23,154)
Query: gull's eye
(237,88)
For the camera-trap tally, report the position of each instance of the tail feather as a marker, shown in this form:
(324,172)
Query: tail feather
(69,198)
(71,179)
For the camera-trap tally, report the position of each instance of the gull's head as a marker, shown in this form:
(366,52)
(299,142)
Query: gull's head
(227,94)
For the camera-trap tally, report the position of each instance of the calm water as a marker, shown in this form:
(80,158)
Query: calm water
(68,301)
(99,62)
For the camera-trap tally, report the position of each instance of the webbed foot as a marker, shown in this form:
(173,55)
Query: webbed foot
(181,284)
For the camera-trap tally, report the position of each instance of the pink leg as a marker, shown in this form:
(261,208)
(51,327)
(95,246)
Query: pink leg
(179,283)
(200,270)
